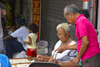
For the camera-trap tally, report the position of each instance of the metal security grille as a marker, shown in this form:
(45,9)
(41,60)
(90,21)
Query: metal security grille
(51,16)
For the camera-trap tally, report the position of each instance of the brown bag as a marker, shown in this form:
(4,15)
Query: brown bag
(68,64)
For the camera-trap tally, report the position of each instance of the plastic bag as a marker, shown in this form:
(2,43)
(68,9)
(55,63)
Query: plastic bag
(42,44)
(21,54)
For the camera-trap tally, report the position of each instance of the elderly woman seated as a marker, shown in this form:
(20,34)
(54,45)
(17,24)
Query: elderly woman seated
(61,58)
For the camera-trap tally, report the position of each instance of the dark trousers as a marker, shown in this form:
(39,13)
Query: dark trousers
(13,46)
(92,61)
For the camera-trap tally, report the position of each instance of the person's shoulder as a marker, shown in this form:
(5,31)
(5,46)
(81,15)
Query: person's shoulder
(80,18)
(2,56)
(58,43)
(83,21)
(73,42)
(17,32)
(23,28)
(32,34)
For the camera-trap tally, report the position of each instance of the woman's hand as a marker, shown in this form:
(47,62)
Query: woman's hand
(76,60)
(73,64)
(62,48)
(52,60)
(40,57)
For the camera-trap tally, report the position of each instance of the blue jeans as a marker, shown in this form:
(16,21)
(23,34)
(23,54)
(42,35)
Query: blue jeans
(13,46)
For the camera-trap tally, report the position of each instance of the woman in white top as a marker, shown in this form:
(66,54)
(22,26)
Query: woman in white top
(21,34)
(65,39)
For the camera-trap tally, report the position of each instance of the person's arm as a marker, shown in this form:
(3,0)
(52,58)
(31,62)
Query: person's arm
(43,58)
(67,47)
(15,34)
(7,37)
(71,47)
(65,64)
(83,48)
(29,40)
(46,58)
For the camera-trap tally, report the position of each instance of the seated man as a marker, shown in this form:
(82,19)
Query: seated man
(21,34)
(62,58)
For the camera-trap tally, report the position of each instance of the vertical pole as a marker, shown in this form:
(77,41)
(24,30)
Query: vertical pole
(94,13)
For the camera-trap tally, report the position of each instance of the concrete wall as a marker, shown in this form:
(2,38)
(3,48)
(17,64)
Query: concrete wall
(27,10)
(17,8)
(30,6)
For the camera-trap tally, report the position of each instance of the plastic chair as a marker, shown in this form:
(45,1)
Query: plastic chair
(44,64)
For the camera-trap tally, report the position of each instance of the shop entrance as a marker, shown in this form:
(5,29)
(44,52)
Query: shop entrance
(16,9)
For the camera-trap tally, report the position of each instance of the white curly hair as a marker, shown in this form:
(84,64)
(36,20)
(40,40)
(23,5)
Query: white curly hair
(64,26)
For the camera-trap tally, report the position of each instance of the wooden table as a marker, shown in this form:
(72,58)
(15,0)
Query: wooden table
(21,62)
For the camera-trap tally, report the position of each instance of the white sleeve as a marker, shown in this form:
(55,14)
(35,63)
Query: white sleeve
(56,46)
(73,43)
(17,33)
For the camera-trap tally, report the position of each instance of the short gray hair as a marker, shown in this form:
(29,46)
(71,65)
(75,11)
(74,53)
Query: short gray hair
(71,8)
(64,26)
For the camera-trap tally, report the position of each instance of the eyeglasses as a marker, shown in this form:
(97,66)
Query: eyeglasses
(60,34)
